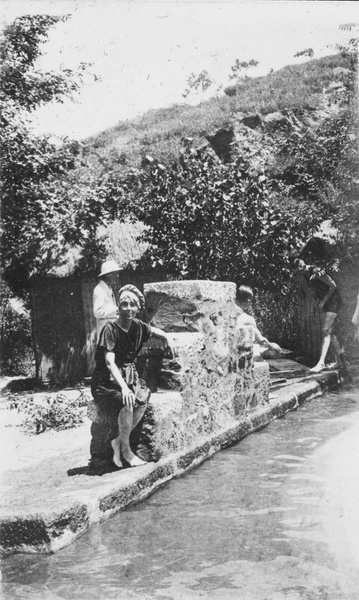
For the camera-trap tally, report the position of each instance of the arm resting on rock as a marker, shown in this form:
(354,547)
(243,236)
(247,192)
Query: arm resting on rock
(156,332)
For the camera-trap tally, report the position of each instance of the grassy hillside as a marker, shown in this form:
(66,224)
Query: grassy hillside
(159,132)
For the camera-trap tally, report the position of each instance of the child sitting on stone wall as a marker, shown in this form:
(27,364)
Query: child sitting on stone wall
(244,301)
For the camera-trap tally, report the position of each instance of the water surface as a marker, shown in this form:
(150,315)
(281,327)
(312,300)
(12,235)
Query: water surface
(262,520)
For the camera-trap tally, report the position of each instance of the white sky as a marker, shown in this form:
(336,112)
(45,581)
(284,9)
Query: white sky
(144,50)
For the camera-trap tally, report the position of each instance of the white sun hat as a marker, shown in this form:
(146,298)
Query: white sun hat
(109,266)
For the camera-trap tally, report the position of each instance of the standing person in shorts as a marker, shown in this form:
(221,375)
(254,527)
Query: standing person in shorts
(329,302)
(118,393)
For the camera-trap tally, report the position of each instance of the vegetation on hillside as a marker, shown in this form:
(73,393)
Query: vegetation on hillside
(160,132)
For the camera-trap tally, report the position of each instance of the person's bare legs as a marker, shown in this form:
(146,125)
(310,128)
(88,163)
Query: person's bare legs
(337,349)
(127,421)
(115,443)
(329,319)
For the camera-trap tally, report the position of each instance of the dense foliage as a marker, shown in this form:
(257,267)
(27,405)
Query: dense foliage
(35,203)
(220,221)
(345,197)
(53,412)
(318,165)
(16,355)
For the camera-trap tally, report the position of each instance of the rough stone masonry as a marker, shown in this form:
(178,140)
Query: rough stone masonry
(212,382)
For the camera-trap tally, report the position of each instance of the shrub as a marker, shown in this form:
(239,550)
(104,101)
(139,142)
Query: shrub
(57,412)
(278,318)
(219,221)
(17,357)
(159,132)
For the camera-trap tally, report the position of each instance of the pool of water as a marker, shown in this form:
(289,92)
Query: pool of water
(259,521)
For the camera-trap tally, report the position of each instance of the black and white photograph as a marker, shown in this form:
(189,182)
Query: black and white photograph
(179,275)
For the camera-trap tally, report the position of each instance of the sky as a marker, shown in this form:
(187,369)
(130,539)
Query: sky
(142,51)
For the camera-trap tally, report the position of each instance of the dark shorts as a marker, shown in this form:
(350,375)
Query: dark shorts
(333,304)
(108,401)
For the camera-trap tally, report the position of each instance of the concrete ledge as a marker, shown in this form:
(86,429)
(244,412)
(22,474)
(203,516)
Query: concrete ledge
(65,509)
(43,533)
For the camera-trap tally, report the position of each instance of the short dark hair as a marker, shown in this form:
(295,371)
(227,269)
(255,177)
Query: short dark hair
(244,292)
(318,248)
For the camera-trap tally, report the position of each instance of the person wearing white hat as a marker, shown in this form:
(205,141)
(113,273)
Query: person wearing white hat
(104,299)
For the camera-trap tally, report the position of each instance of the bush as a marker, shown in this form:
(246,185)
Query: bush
(159,132)
(277,317)
(57,412)
(218,221)
(17,357)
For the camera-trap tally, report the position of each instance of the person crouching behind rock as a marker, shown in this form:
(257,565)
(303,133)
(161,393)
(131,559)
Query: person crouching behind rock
(120,398)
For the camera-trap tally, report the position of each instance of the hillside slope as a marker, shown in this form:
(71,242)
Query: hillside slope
(297,88)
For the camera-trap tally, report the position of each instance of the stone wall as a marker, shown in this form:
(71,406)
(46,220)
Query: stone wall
(211,382)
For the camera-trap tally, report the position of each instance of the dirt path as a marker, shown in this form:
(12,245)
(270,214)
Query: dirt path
(34,463)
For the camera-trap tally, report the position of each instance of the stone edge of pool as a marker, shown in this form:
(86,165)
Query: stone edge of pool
(48,530)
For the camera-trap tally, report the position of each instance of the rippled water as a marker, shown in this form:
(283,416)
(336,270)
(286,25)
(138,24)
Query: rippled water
(259,521)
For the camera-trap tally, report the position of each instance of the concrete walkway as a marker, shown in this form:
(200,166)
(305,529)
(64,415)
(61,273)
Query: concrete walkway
(44,509)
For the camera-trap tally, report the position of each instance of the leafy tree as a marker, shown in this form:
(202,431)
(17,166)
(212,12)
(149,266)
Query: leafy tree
(16,355)
(240,68)
(216,221)
(20,48)
(198,83)
(350,49)
(49,204)
(307,52)
(35,201)
(99,204)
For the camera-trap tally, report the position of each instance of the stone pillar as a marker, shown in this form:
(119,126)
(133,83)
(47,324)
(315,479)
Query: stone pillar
(210,383)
